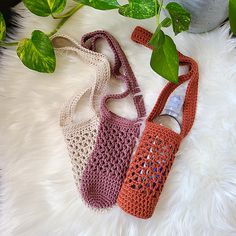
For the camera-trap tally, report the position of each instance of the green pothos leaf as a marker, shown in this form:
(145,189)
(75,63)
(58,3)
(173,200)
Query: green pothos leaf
(180,17)
(101,4)
(2,27)
(37,53)
(157,39)
(232,15)
(140,9)
(165,61)
(166,22)
(45,7)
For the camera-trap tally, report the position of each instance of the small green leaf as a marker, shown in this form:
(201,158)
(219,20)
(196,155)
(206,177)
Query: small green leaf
(45,7)
(232,15)
(37,53)
(165,61)
(157,39)
(180,17)
(139,9)
(100,4)
(166,22)
(2,27)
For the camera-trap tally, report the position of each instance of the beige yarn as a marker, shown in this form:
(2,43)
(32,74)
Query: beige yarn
(80,137)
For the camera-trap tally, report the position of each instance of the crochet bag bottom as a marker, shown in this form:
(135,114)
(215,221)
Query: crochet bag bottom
(97,190)
(136,204)
(148,170)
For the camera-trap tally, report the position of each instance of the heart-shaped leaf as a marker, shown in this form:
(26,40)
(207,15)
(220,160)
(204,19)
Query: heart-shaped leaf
(37,53)
(140,9)
(165,61)
(232,15)
(2,27)
(45,7)
(180,17)
(101,4)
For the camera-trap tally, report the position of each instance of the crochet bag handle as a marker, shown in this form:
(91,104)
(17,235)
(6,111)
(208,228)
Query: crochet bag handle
(64,43)
(142,36)
(121,63)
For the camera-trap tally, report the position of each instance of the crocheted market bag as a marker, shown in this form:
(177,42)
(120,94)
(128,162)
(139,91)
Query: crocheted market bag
(156,151)
(80,136)
(117,136)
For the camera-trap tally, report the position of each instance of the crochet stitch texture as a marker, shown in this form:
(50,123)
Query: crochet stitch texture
(117,136)
(156,151)
(80,137)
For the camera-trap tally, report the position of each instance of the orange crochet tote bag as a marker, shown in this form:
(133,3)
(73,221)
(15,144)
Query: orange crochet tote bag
(156,151)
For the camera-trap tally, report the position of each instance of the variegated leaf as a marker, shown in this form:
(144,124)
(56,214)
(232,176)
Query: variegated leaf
(37,53)
(180,17)
(2,27)
(45,7)
(140,9)
(101,4)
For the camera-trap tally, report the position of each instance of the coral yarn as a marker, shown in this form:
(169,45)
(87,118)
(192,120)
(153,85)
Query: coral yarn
(156,151)
(117,136)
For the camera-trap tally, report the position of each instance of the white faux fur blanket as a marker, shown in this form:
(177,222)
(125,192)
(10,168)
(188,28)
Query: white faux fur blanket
(38,194)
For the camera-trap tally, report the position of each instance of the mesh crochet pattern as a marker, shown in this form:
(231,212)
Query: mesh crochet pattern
(156,151)
(80,137)
(107,166)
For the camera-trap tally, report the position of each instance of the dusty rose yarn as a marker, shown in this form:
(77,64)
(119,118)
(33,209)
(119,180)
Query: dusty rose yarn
(117,136)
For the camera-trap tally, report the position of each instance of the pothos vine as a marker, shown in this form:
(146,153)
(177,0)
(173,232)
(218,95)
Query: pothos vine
(37,52)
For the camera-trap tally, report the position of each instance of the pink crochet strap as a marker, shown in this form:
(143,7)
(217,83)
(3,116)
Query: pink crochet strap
(121,62)
(117,136)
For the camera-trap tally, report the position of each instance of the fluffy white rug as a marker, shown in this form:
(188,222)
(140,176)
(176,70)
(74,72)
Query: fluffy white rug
(38,195)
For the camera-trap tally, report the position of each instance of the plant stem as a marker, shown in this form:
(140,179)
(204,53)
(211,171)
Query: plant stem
(8,43)
(159,12)
(65,18)
(69,13)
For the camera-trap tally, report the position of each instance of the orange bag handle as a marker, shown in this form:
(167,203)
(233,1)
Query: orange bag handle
(142,36)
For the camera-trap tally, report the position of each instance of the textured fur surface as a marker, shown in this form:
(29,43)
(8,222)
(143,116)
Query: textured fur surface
(9,16)
(38,194)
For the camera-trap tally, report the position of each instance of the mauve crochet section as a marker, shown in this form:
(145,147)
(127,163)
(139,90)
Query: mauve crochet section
(117,136)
